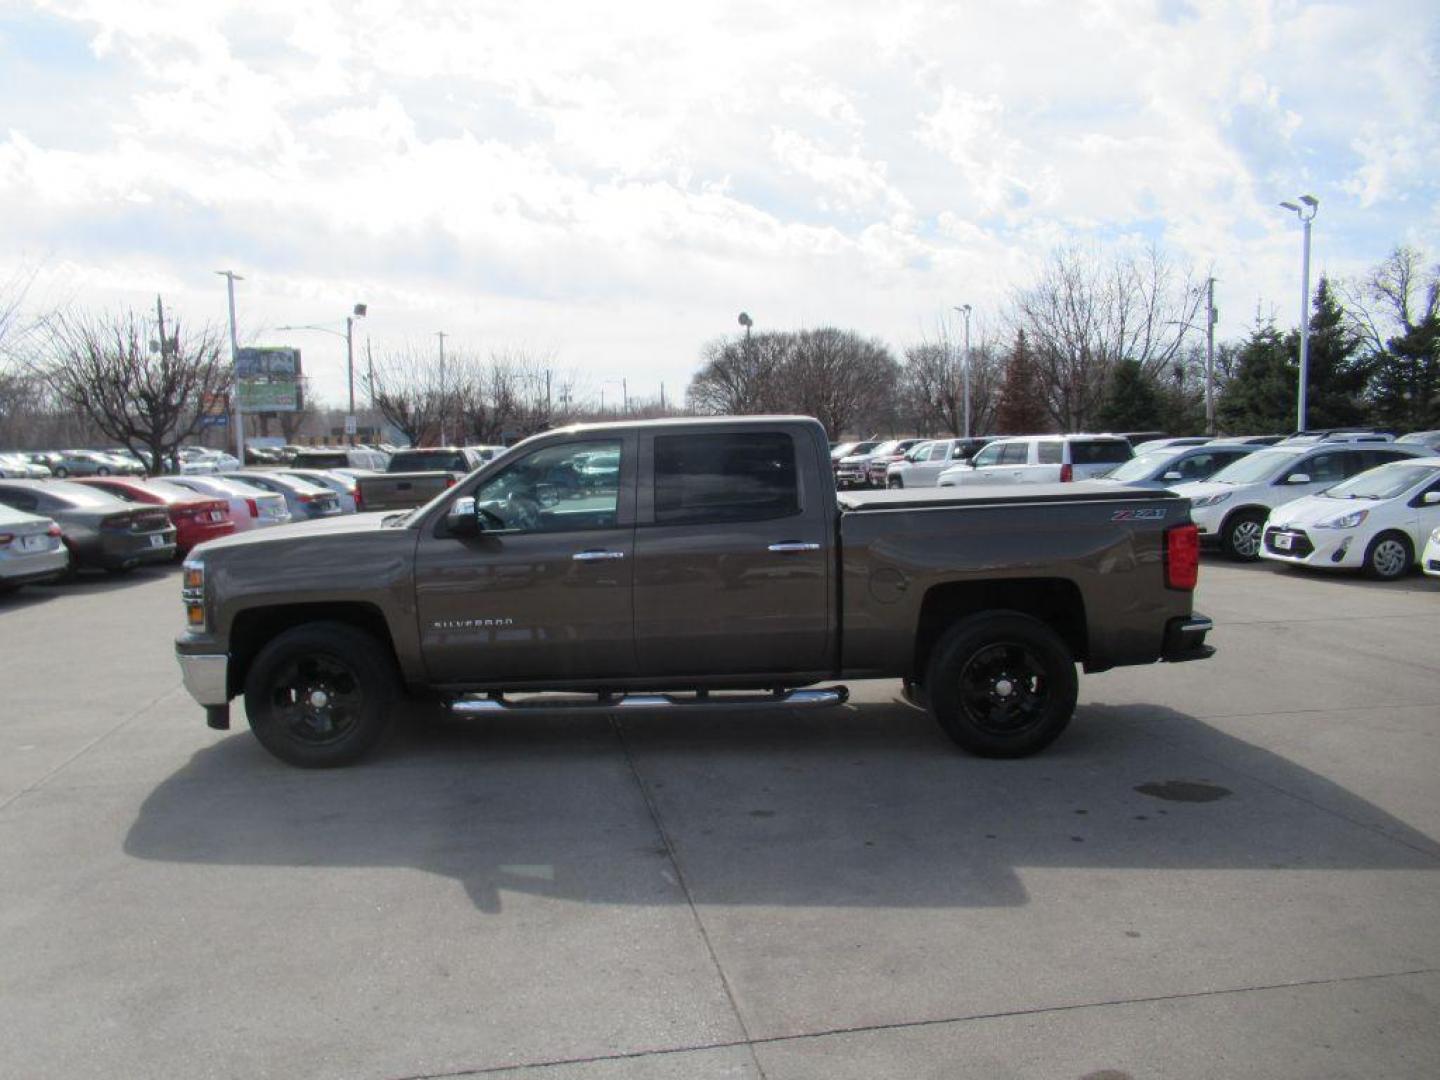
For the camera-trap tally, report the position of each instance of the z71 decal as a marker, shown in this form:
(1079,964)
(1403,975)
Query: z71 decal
(1144,514)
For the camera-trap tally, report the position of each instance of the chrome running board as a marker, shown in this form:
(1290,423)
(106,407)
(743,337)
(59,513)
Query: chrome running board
(708,701)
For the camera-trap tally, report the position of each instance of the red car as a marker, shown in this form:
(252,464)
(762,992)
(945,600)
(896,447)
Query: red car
(196,518)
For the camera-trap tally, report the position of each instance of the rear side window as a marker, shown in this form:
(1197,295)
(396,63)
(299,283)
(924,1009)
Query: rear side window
(1014,453)
(1379,457)
(20,500)
(323,461)
(1100,452)
(1051,453)
(428,461)
(727,477)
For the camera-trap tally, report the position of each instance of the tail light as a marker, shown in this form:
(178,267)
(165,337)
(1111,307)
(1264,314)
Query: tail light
(450,481)
(5,539)
(117,523)
(1182,557)
(306,498)
(53,530)
(1067,473)
(355,493)
(254,507)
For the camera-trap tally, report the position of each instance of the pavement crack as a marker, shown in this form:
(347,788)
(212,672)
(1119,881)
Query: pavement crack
(684,883)
(904,1025)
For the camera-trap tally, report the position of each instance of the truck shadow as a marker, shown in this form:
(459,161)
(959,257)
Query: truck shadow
(862,806)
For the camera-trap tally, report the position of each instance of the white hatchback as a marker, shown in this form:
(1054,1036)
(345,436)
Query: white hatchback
(1375,522)
(1231,507)
(1430,558)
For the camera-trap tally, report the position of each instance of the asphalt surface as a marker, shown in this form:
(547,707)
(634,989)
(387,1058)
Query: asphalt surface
(1223,869)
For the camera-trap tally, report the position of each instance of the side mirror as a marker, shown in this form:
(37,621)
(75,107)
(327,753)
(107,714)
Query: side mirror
(1298,478)
(1430,498)
(462,518)
(1173,474)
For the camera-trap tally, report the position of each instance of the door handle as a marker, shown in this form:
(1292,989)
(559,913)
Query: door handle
(787,548)
(597,556)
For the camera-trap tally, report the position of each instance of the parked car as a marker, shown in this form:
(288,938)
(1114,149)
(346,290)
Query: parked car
(1376,522)
(1341,435)
(344,487)
(841,451)
(922,466)
(886,455)
(31,549)
(1430,557)
(339,457)
(63,463)
(250,508)
(417,475)
(853,470)
(1040,459)
(19,467)
(1177,465)
(99,529)
(304,501)
(196,517)
(1428,439)
(1250,440)
(1231,507)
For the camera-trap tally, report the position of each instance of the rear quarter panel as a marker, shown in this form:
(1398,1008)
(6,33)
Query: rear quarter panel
(1111,551)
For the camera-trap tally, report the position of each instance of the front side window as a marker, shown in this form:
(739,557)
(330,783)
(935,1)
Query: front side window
(989,456)
(559,488)
(726,477)
(1015,453)
(1323,468)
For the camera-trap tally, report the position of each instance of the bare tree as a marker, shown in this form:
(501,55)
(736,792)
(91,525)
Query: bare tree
(739,377)
(1395,312)
(837,377)
(141,382)
(1085,314)
(410,390)
(932,381)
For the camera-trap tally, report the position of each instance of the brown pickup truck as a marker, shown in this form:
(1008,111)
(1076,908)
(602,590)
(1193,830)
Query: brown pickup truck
(692,564)
(414,477)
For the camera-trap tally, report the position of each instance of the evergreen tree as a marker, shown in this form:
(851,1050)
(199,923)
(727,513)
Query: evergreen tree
(1132,401)
(1339,371)
(1405,380)
(1259,397)
(1021,410)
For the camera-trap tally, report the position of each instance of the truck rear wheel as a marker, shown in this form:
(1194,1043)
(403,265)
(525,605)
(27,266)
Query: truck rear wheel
(321,694)
(1001,684)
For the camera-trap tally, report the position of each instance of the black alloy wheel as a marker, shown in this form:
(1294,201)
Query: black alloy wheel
(1002,684)
(321,694)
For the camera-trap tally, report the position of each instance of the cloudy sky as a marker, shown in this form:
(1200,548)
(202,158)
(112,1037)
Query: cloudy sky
(612,183)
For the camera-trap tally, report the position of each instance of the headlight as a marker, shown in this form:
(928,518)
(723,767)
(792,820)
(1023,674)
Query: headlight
(1435,537)
(1344,521)
(1211,500)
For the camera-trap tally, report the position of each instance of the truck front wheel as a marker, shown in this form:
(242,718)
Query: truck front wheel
(1001,684)
(321,694)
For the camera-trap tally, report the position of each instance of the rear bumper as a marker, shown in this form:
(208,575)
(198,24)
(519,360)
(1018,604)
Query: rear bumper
(1185,639)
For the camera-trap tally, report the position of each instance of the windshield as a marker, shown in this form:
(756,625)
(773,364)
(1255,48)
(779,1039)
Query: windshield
(1386,482)
(1260,465)
(1140,468)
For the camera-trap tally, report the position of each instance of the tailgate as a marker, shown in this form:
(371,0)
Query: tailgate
(402,491)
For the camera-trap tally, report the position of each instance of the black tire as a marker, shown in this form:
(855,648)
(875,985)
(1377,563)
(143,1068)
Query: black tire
(61,471)
(102,471)
(894,482)
(1389,557)
(1242,535)
(1001,684)
(321,694)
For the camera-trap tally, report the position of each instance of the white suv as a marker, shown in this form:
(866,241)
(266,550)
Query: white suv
(1231,507)
(1041,459)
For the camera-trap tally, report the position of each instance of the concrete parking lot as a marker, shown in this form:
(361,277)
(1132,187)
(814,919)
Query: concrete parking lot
(1223,869)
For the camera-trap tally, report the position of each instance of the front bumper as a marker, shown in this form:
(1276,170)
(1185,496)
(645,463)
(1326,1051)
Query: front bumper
(1185,639)
(1344,549)
(205,676)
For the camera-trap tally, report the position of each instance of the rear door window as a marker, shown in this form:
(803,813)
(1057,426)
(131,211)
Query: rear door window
(1051,452)
(725,477)
(1100,452)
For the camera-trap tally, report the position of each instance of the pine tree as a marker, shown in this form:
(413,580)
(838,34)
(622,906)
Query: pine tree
(1132,402)
(1339,371)
(1022,408)
(1259,397)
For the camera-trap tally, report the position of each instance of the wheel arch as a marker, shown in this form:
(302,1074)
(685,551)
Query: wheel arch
(1057,602)
(254,627)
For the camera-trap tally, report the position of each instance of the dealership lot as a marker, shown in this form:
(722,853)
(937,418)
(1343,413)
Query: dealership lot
(1223,869)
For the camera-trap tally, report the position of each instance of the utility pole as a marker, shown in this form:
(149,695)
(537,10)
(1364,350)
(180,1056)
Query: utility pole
(230,278)
(1210,317)
(444,397)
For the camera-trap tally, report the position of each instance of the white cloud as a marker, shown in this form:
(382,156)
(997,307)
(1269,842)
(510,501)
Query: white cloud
(615,182)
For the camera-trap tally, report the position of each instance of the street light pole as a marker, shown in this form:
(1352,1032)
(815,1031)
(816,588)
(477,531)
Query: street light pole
(964,310)
(1210,357)
(230,278)
(1305,211)
(357,312)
